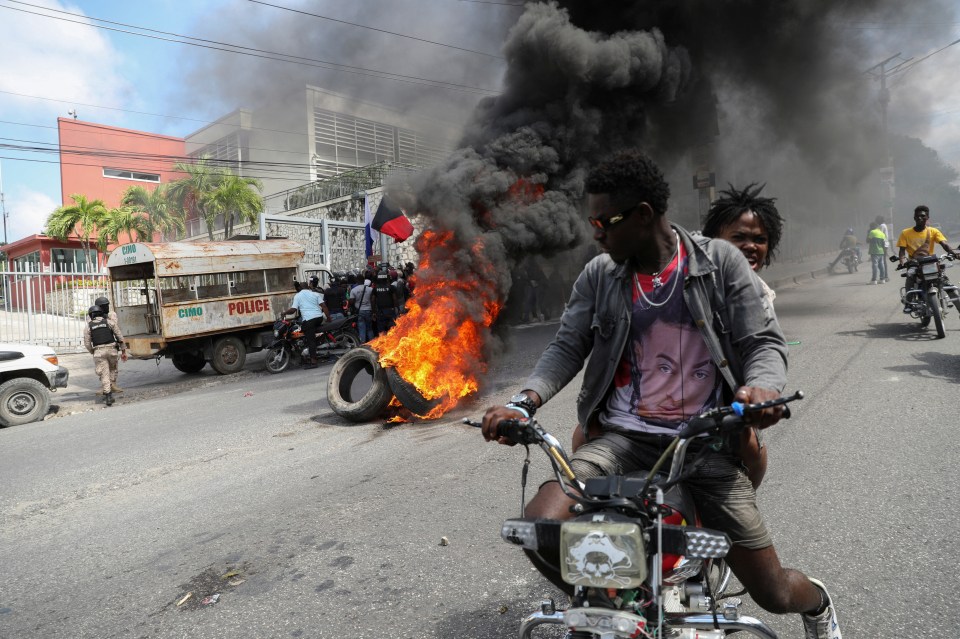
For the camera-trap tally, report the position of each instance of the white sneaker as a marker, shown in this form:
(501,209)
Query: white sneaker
(824,625)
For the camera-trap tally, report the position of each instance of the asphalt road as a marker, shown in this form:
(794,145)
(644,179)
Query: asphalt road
(333,529)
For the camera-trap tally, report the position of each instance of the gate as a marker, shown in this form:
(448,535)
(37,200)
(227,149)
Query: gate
(47,308)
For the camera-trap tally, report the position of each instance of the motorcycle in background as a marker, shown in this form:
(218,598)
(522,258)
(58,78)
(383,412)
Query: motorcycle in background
(931,292)
(849,257)
(290,344)
(633,560)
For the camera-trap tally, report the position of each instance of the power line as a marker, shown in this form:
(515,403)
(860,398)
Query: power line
(253,52)
(363,26)
(162,115)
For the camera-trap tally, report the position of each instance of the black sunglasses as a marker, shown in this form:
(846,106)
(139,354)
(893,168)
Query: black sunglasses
(605,224)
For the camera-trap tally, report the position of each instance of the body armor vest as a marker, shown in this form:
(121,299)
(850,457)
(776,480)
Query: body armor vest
(101,333)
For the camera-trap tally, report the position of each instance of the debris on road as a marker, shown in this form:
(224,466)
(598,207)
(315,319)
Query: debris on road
(183,599)
(444,541)
(212,599)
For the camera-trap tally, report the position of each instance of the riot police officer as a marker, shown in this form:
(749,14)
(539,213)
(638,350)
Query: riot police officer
(103,339)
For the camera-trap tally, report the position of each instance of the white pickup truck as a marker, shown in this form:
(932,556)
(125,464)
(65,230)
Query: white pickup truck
(27,376)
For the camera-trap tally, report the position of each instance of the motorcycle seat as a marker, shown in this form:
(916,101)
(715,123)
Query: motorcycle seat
(334,325)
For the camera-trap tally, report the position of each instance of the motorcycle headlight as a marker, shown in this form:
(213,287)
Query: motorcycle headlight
(930,268)
(602,554)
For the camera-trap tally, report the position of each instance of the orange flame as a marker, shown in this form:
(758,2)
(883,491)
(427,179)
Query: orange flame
(437,345)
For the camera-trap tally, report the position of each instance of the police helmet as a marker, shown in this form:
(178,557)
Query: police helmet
(95,311)
(101,301)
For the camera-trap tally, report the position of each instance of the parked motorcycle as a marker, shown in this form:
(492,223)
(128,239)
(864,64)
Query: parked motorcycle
(931,292)
(633,560)
(290,343)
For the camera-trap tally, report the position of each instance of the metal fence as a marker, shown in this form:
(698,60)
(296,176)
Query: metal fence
(47,308)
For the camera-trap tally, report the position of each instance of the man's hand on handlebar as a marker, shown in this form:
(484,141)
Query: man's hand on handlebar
(754,395)
(492,419)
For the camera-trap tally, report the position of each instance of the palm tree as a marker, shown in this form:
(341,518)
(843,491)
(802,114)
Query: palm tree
(128,221)
(84,218)
(190,193)
(155,204)
(236,200)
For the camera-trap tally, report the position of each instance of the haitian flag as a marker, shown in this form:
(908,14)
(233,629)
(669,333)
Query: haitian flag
(391,220)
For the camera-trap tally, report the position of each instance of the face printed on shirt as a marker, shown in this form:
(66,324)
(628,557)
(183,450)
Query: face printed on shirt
(677,376)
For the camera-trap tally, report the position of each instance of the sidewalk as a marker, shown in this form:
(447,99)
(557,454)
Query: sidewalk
(782,274)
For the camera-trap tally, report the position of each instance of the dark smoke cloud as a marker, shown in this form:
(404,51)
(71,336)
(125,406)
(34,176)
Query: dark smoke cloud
(220,82)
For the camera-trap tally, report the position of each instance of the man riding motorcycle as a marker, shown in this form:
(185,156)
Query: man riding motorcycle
(919,240)
(659,353)
(848,244)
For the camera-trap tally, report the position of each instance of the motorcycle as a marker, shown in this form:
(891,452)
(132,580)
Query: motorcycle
(634,563)
(850,257)
(931,292)
(290,343)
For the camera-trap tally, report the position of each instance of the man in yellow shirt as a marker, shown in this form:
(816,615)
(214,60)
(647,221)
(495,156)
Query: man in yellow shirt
(921,237)
(918,241)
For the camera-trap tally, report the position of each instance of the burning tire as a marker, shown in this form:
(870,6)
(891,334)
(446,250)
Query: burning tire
(341,386)
(408,395)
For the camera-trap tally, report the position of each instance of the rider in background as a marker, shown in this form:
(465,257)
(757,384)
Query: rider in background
(848,243)
(754,225)
(624,303)
(918,241)
(309,301)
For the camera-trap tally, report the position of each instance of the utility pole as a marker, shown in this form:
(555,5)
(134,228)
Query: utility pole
(882,71)
(3,206)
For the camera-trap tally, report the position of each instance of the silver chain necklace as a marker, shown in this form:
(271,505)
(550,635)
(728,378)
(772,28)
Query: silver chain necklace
(657,283)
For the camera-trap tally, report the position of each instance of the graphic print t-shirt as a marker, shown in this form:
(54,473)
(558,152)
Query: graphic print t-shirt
(665,375)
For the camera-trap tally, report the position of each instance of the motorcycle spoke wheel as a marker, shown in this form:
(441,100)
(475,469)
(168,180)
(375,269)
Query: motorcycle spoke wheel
(277,359)
(933,302)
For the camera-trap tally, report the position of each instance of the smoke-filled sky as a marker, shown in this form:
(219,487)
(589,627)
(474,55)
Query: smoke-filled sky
(793,104)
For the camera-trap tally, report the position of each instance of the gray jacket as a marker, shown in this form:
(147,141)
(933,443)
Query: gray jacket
(723,295)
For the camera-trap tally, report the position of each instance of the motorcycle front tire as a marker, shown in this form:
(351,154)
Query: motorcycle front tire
(277,359)
(933,302)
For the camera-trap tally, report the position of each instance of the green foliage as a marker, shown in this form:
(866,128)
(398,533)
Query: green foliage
(162,214)
(84,218)
(209,191)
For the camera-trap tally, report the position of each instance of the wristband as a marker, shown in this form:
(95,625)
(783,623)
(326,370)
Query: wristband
(523,410)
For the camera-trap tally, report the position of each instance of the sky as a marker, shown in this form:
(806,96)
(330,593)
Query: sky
(50,66)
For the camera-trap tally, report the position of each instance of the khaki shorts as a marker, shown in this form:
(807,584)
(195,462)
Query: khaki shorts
(723,494)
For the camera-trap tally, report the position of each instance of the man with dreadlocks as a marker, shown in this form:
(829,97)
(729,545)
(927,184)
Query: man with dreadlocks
(668,325)
(749,222)
(752,224)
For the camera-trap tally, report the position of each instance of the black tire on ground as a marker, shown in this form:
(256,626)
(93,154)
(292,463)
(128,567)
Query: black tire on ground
(408,395)
(192,362)
(277,359)
(229,355)
(852,267)
(348,339)
(933,300)
(23,400)
(342,375)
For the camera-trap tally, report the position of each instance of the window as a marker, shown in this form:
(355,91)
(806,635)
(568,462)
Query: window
(131,175)
(29,263)
(210,285)
(247,283)
(280,279)
(179,288)
(65,260)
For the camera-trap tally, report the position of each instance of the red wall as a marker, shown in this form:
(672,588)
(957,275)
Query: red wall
(87,148)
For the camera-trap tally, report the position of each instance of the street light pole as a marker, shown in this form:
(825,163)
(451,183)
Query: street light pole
(887,177)
(3,206)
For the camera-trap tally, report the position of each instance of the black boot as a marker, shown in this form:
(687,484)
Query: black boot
(108,399)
